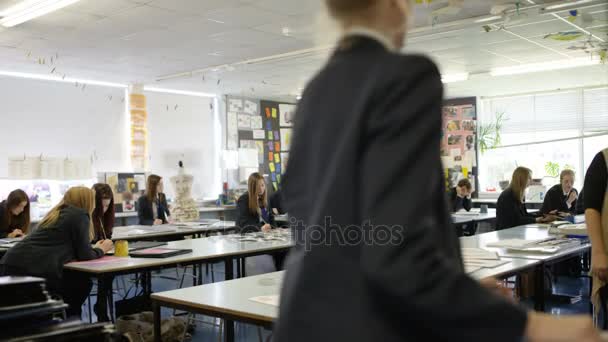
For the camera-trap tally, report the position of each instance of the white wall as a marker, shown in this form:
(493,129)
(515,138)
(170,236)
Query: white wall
(59,119)
(186,133)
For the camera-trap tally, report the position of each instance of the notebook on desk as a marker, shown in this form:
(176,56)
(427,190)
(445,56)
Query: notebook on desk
(159,252)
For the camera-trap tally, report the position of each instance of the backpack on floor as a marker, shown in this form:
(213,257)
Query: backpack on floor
(140,328)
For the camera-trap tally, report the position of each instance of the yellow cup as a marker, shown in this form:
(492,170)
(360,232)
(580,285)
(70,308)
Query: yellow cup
(121,248)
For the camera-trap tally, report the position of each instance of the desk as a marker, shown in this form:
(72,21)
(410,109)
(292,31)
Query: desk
(230,300)
(224,248)
(140,233)
(528,232)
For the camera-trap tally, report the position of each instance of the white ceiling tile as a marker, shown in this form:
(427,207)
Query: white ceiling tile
(244,16)
(198,7)
(289,7)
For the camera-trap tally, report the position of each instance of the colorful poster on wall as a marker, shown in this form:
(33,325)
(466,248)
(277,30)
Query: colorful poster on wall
(458,142)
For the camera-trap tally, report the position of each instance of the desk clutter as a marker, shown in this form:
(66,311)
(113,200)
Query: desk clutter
(29,313)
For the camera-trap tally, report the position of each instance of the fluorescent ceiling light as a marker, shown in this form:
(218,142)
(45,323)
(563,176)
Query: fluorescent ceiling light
(484,20)
(30,9)
(573,3)
(451,78)
(178,92)
(61,79)
(536,67)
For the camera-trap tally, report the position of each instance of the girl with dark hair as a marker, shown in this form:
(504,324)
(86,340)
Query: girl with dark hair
(15,215)
(103,214)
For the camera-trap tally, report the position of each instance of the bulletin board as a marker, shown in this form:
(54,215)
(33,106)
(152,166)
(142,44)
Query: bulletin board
(459,141)
(265,126)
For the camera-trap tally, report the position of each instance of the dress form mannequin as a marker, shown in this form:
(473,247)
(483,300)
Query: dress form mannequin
(184,208)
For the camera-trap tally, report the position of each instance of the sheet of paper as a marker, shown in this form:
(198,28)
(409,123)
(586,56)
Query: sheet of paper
(244,121)
(256,122)
(478,253)
(235,105)
(258,134)
(287,113)
(486,263)
(250,108)
(286,138)
(274,113)
(471,269)
(516,243)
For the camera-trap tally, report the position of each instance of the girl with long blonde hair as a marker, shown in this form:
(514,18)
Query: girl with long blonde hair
(63,235)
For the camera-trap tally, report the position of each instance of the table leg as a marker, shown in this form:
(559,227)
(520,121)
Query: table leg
(156,311)
(229,324)
(102,300)
(539,288)
(200,273)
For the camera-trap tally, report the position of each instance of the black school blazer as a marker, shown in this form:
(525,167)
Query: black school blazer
(145,212)
(366,138)
(248,222)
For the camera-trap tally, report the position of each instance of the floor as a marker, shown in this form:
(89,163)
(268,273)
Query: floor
(209,330)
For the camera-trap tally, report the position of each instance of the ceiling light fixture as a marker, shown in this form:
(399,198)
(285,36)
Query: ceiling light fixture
(547,66)
(178,92)
(451,78)
(60,79)
(567,4)
(29,9)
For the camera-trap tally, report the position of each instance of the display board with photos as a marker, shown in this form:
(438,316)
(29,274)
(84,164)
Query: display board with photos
(127,188)
(265,126)
(458,140)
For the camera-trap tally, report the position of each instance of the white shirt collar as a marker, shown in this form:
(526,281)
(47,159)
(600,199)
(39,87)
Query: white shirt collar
(373,34)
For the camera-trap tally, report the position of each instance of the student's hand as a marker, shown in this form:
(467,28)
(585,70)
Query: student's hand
(104,245)
(15,233)
(158,222)
(599,265)
(266,228)
(497,288)
(547,219)
(543,327)
(572,197)
(275,211)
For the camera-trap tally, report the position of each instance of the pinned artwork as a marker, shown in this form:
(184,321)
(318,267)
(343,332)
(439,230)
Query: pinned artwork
(256,122)
(235,105)
(251,108)
(244,122)
(286,113)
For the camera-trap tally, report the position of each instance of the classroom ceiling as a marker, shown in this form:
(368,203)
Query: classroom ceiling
(142,41)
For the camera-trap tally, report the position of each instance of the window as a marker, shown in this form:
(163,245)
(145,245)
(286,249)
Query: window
(545,132)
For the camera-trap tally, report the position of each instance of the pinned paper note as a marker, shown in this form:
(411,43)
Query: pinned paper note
(278,174)
(277,146)
(244,121)
(286,138)
(273,176)
(269,125)
(268,112)
(270,136)
(256,122)
(275,185)
(270,156)
(235,105)
(279,168)
(271,167)
(270,146)
(455,152)
(258,134)
(250,107)
(276,135)
(277,158)
(274,113)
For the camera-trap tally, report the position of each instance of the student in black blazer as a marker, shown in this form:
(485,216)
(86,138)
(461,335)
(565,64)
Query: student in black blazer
(365,267)
(511,208)
(152,208)
(460,196)
(63,235)
(562,197)
(254,213)
(15,215)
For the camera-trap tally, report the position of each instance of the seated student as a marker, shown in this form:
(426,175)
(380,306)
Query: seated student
(510,207)
(152,208)
(63,235)
(460,196)
(254,214)
(15,215)
(103,215)
(561,198)
(276,203)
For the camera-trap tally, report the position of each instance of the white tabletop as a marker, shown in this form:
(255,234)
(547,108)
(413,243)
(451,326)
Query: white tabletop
(210,248)
(528,232)
(474,215)
(138,232)
(232,297)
